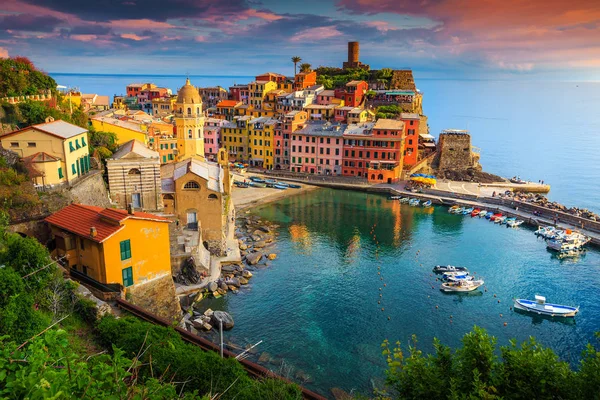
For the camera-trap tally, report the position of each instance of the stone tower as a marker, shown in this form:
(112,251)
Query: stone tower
(189,122)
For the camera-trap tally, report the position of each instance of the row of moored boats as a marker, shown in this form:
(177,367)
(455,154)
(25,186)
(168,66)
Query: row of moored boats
(495,217)
(565,242)
(255,181)
(412,201)
(457,279)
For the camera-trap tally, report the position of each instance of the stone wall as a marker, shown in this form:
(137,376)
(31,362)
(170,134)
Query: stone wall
(90,190)
(454,152)
(157,296)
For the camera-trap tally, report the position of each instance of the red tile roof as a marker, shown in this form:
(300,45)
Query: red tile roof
(79,219)
(227,103)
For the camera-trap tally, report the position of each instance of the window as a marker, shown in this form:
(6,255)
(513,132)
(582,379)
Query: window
(134,171)
(189,134)
(191,185)
(164,159)
(31,144)
(60,173)
(71,148)
(14,144)
(127,277)
(81,244)
(170,156)
(77,143)
(125,250)
(212,197)
(73,169)
(293,159)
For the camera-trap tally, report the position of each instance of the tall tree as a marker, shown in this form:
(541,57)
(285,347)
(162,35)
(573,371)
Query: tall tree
(296,60)
(305,67)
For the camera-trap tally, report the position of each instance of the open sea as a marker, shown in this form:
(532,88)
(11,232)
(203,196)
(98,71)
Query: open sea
(534,129)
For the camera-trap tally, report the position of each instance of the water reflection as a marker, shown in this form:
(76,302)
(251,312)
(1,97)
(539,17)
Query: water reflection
(538,319)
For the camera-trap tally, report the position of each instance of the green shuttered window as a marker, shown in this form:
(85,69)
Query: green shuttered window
(125,250)
(127,277)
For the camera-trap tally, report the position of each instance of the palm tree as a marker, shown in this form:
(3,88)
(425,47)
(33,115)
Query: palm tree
(305,67)
(296,60)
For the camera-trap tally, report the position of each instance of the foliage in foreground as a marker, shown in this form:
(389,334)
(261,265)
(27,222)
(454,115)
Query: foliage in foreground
(167,354)
(474,371)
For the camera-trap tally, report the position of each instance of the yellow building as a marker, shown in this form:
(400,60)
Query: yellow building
(260,142)
(163,106)
(257,91)
(320,112)
(112,246)
(57,150)
(189,123)
(235,137)
(125,130)
(358,115)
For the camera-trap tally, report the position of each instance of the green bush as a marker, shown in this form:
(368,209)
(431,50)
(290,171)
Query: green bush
(87,310)
(203,371)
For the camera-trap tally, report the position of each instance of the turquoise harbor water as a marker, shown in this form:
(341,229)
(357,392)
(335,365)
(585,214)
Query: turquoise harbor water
(316,306)
(535,129)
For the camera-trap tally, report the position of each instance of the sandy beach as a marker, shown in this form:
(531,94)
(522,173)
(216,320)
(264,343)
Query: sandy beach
(246,198)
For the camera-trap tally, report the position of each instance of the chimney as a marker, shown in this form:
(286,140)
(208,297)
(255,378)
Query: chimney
(130,209)
(93,232)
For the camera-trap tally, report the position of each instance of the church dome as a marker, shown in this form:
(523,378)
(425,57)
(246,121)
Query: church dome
(188,94)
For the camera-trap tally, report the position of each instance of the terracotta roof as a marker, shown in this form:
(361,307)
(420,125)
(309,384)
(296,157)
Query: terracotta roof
(227,103)
(79,219)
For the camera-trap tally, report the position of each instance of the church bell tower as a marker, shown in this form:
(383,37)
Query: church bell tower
(189,123)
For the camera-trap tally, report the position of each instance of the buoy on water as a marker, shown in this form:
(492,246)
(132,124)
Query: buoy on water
(505,323)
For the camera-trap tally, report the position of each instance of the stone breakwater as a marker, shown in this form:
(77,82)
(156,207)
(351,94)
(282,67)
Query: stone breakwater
(256,240)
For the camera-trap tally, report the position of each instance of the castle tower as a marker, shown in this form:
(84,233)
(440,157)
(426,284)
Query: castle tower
(189,122)
(354,57)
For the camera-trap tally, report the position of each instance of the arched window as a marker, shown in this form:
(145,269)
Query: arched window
(198,110)
(189,111)
(373,176)
(380,177)
(212,196)
(199,132)
(180,110)
(191,185)
(168,197)
(189,134)
(134,171)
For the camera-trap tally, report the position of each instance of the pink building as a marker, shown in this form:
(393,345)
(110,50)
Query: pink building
(317,148)
(325,97)
(341,113)
(291,122)
(212,137)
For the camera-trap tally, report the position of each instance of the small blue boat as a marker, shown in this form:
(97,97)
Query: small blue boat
(467,211)
(427,203)
(489,215)
(257,179)
(539,306)
(271,181)
(280,186)
(294,186)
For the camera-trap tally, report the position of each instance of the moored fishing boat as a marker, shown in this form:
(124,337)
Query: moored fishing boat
(257,179)
(240,184)
(489,215)
(404,200)
(280,186)
(272,181)
(294,186)
(461,286)
(257,184)
(514,223)
(456,278)
(539,306)
(467,210)
(414,202)
(438,269)
(427,203)
(475,212)
(482,213)
(501,219)
(570,242)
(545,231)
(495,216)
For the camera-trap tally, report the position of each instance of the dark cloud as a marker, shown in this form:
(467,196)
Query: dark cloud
(157,10)
(30,23)
(90,29)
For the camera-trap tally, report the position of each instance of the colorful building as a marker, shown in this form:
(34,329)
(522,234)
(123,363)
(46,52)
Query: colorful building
(317,148)
(234,139)
(341,113)
(125,130)
(355,92)
(261,134)
(328,97)
(284,129)
(112,246)
(271,76)
(226,109)
(212,137)
(238,92)
(212,95)
(411,138)
(163,106)
(374,150)
(320,112)
(57,150)
(358,115)
(257,92)
(295,101)
(303,80)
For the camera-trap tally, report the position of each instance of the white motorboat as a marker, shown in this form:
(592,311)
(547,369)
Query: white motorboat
(438,269)
(545,231)
(456,278)
(539,306)
(482,213)
(455,273)
(404,200)
(461,286)
(427,204)
(514,223)
(414,202)
(569,242)
(500,220)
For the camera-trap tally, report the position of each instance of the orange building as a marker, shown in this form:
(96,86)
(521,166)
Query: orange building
(411,136)
(304,80)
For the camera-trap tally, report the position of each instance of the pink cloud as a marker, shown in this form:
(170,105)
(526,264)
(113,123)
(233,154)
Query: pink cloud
(252,13)
(133,36)
(201,39)
(314,34)
(84,38)
(381,26)
(135,24)
(3,52)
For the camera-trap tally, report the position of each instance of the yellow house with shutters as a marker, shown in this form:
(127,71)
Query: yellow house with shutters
(111,246)
(56,151)
(260,141)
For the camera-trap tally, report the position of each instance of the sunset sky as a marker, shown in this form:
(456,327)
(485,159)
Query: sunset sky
(437,38)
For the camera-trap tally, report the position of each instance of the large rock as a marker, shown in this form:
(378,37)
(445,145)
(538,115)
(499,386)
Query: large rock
(233,282)
(264,358)
(339,394)
(208,312)
(254,258)
(265,229)
(224,317)
(229,268)
(223,285)
(212,287)
(260,245)
(243,281)
(246,274)
(243,246)
(272,256)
